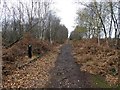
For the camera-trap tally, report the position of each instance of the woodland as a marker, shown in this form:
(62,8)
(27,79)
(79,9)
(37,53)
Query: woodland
(90,54)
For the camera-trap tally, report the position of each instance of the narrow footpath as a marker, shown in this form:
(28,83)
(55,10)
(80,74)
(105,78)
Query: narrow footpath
(66,73)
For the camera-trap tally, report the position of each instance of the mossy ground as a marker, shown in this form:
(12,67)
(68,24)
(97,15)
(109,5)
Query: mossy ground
(99,82)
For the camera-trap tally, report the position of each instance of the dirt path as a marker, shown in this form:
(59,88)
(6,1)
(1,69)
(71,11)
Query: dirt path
(66,73)
(51,71)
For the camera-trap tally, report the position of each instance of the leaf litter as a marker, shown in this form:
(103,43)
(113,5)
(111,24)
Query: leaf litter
(98,60)
(34,75)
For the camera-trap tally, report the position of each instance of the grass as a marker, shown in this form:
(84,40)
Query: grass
(118,87)
(99,82)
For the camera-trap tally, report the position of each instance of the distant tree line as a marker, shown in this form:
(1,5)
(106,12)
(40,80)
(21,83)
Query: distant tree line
(36,18)
(78,33)
(99,20)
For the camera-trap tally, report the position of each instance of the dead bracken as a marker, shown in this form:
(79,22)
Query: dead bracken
(98,60)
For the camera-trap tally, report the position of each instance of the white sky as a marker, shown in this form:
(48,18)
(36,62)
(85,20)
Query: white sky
(66,10)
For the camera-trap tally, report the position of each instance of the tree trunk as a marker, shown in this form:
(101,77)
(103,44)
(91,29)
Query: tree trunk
(118,37)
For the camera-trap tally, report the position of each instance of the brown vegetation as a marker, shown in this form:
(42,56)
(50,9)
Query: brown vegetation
(35,75)
(98,60)
(17,53)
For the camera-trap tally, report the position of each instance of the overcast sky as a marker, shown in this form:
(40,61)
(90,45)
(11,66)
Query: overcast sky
(65,9)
